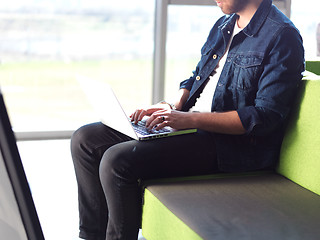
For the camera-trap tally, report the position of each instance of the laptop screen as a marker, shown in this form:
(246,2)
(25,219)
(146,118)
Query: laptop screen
(18,216)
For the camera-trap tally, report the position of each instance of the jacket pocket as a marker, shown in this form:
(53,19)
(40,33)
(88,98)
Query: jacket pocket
(247,69)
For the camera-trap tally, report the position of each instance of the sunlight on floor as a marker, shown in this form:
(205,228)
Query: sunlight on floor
(50,173)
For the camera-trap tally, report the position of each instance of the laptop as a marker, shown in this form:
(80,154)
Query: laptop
(106,104)
(18,216)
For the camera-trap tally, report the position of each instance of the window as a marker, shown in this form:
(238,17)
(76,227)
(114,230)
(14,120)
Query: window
(188,28)
(45,44)
(305,15)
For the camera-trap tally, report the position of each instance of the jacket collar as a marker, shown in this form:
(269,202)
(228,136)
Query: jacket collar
(255,23)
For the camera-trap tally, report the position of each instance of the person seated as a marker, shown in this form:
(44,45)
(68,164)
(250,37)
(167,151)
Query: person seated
(238,98)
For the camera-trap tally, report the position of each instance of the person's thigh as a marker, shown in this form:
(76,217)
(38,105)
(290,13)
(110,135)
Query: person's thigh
(90,142)
(185,155)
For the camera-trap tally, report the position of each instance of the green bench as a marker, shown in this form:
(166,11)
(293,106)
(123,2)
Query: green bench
(313,66)
(261,205)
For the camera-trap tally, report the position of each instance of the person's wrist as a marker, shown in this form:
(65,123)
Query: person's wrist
(172,106)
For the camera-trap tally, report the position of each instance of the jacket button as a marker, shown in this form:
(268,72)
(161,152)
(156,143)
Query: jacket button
(214,56)
(198,78)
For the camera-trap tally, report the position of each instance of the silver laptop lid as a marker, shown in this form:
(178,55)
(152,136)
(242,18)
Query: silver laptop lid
(107,106)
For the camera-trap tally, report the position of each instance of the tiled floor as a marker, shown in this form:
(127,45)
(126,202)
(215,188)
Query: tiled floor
(50,173)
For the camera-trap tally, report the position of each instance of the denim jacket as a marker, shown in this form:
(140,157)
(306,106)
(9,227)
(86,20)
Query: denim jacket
(259,80)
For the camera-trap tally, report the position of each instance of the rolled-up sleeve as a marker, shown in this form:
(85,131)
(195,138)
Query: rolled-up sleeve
(278,84)
(187,84)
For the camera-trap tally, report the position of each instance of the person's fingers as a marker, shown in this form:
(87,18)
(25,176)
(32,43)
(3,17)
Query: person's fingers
(135,116)
(164,122)
(141,115)
(155,121)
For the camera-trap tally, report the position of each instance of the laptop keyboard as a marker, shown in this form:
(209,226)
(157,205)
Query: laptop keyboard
(140,128)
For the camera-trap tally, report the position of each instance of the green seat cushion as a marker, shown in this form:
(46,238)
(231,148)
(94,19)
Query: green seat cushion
(266,206)
(158,222)
(313,66)
(300,152)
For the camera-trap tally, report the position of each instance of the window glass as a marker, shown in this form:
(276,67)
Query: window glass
(188,29)
(45,44)
(305,15)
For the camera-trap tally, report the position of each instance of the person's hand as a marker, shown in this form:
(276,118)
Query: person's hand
(141,112)
(168,117)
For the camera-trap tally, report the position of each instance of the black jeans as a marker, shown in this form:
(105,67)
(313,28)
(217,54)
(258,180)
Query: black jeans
(110,165)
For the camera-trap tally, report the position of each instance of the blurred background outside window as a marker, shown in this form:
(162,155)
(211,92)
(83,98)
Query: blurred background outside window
(45,44)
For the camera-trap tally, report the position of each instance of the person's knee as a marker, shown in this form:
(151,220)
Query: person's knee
(115,164)
(77,138)
(80,141)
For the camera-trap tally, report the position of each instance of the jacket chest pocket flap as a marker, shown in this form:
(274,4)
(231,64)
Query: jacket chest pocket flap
(247,61)
(247,68)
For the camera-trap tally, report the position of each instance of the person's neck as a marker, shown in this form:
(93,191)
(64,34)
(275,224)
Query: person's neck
(247,13)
